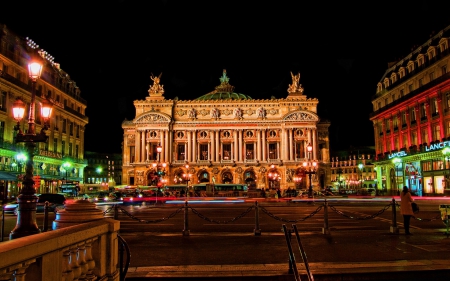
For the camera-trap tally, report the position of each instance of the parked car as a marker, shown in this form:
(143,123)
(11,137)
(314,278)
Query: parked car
(56,201)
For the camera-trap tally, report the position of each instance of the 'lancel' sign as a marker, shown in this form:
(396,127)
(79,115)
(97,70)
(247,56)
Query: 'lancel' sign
(437,146)
(397,154)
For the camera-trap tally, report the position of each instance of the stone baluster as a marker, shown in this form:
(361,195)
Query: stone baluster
(82,261)
(67,273)
(90,261)
(74,262)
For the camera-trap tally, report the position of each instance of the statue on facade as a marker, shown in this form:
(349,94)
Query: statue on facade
(192,113)
(261,112)
(295,86)
(214,113)
(156,89)
(238,113)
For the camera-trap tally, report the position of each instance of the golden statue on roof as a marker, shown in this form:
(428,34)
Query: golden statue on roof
(156,90)
(295,87)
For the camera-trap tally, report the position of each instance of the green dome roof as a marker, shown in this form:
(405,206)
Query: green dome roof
(224,96)
(224,91)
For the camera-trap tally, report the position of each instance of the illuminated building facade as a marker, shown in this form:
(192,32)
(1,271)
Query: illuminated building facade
(353,170)
(411,119)
(103,168)
(61,157)
(226,137)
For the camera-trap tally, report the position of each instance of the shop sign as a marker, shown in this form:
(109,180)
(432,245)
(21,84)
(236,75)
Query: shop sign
(397,154)
(437,146)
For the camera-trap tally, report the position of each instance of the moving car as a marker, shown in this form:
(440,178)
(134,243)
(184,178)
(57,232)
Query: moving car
(56,201)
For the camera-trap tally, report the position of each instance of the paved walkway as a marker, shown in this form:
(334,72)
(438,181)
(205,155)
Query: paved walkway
(344,254)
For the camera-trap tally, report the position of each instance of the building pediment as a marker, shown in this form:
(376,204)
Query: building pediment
(301,116)
(152,117)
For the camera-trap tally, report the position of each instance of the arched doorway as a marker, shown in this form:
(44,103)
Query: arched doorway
(274,178)
(227,177)
(203,176)
(250,179)
(152,178)
(178,176)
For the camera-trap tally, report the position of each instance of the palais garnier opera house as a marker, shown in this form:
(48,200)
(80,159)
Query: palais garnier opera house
(227,137)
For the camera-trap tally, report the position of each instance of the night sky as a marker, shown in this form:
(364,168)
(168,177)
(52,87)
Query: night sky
(341,51)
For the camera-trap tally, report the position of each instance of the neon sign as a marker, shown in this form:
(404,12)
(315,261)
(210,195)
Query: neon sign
(437,146)
(397,154)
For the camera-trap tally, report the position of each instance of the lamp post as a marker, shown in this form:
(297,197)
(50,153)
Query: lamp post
(361,166)
(310,169)
(26,218)
(397,162)
(160,169)
(66,166)
(187,177)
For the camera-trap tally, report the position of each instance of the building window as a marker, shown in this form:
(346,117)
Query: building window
(3,101)
(70,149)
(273,152)
(404,119)
(180,135)
(181,152)
(226,148)
(434,107)
(395,123)
(203,134)
(424,133)
(76,151)
(447,99)
(420,82)
(249,134)
(431,76)
(203,151)
(402,93)
(423,111)
(71,128)
(2,132)
(405,140)
(437,132)
(414,138)
(64,125)
(386,101)
(55,144)
(63,148)
(249,153)
(444,69)
(411,87)
(299,149)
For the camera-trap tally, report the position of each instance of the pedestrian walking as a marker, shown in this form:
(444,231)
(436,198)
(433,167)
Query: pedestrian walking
(279,193)
(406,208)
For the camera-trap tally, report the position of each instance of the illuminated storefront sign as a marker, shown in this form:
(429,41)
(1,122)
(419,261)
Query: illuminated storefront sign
(437,146)
(397,154)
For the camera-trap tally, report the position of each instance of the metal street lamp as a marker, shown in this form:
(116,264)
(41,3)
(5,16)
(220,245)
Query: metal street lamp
(361,166)
(187,177)
(66,166)
(310,169)
(158,166)
(26,218)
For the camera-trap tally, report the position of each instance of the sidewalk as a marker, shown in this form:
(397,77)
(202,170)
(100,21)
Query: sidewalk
(344,254)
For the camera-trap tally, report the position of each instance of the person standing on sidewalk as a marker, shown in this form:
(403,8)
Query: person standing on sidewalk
(406,208)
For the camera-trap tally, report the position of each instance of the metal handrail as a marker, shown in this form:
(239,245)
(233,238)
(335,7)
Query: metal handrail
(292,263)
(303,253)
(123,247)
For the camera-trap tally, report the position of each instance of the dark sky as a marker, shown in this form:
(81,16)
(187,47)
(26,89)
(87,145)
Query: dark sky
(341,51)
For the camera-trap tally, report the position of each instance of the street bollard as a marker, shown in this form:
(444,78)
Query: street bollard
(325,229)
(394,228)
(186,230)
(116,212)
(257,230)
(45,216)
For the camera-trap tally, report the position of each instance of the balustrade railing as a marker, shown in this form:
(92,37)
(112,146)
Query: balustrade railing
(88,251)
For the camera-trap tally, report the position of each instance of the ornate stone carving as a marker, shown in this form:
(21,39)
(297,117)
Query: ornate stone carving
(301,116)
(152,117)
(238,113)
